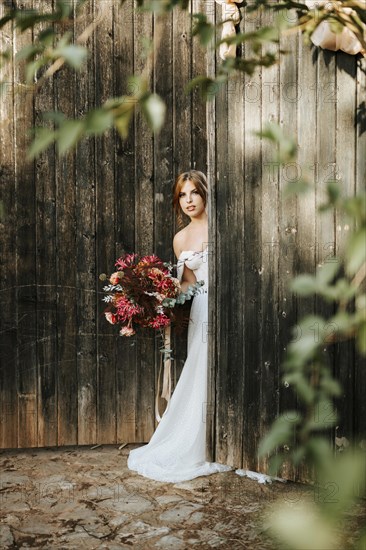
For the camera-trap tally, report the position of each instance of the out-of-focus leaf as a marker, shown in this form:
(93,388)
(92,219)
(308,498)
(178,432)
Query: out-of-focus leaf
(356,208)
(47,36)
(208,87)
(361,339)
(281,432)
(303,388)
(334,191)
(301,527)
(55,116)
(69,134)
(43,138)
(98,121)
(122,122)
(296,188)
(331,386)
(74,55)
(326,273)
(28,52)
(203,29)
(287,146)
(303,285)
(356,251)
(32,68)
(154,109)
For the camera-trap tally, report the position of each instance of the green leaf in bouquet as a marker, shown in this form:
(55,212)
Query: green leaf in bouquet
(169,302)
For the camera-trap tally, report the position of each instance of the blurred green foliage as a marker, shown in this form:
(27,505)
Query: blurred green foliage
(51,46)
(301,436)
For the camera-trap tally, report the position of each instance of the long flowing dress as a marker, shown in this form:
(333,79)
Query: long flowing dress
(176,450)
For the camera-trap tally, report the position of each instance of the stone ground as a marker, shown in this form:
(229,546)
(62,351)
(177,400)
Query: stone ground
(87,498)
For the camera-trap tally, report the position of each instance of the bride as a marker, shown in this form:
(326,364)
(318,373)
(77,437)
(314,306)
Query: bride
(177,449)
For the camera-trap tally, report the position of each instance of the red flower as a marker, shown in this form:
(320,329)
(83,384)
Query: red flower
(126,309)
(126,261)
(160,320)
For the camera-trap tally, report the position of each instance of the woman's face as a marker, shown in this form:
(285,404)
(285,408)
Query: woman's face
(190,200)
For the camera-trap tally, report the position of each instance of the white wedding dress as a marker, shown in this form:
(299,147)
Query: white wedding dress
(176,450)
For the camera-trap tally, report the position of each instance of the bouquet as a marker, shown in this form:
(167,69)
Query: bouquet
(143,292)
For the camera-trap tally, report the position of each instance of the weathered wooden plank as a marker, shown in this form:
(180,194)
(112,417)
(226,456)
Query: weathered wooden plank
(230,248)
(345,174)
(46,273)
(199,115)
(252,261)
(105,229)
(67,376)
(125,190)
(273,232)
(182,145)
(301,254)
(85,250)
(163,158)
(8,266)
(144,228)
(26,262)
(182,102)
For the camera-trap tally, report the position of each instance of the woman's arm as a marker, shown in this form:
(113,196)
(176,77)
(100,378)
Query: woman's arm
(188,279)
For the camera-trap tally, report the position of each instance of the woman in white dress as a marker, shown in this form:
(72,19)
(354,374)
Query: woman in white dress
(177,449)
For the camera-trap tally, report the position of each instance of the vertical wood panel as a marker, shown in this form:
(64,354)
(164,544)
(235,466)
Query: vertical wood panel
(105,227)
(85,247)
(26,262)
(252,259)
(66,214)
(125,197)
(144,229)
(326,145)
(182,143)
(46,273)
(8,264)
(303,255)
(272,237)
(345,173)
